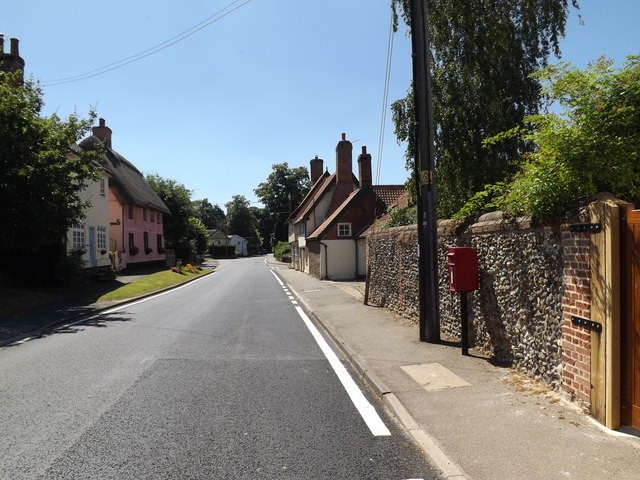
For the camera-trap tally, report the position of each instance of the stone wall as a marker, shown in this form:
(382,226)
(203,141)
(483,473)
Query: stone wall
(517,315)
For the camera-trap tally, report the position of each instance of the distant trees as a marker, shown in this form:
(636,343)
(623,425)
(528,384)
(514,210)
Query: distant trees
(183,232)
(212,216)
(483,55)
(283,190)
(241,221)
(40,180)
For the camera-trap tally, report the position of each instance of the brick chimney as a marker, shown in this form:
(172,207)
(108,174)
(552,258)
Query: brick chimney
(364,168)
(12,61)
(103,132)
(344,173)
(316,169)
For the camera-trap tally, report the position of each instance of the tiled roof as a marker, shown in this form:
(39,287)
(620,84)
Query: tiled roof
(401,202)
(388,193)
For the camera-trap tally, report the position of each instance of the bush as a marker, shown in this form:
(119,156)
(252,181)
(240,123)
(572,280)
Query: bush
(592,146)
(282,252)
(402,216)
(218,251)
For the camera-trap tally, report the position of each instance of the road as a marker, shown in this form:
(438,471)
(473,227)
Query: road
(220,378)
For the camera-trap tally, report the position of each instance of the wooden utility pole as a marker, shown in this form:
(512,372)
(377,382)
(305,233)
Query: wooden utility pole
(425,175)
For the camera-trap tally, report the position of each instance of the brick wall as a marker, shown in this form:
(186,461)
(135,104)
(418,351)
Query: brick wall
(576,301)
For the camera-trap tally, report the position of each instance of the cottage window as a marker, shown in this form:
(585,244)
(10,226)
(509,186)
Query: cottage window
(131,241)
(131,210)
(144,213)
(101,238)
(159,243)
(151,215)
(146,242)
(77,236)
(102,186)
(159,217)
(344,229)
(302,229)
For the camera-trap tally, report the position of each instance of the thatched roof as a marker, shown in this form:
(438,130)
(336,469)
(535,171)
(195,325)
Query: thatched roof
(129,180)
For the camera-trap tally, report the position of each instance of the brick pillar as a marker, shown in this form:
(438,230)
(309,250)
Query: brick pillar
(576,301)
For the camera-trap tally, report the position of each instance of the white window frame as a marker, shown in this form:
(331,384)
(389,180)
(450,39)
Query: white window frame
(344,229)
(78,236)
(101,238)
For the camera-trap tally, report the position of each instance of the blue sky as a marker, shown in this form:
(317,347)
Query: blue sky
(273,81)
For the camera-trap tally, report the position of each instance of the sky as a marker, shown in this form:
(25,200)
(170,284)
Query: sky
(260,82)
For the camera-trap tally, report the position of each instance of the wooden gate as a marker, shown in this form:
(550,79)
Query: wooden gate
(630,317)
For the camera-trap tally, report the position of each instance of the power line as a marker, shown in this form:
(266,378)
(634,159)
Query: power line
(219,15)
(385,99)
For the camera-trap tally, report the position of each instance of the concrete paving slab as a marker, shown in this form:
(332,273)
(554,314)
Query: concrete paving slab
(433,376)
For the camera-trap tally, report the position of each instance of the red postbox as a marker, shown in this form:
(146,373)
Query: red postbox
(462,263)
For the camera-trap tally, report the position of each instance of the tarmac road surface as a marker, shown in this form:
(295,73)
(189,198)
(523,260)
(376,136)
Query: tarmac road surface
(220,378)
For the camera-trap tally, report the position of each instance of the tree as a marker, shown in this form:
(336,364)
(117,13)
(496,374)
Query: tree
(266,226)
(40,180)
(197,233)
(178,231)
(240,220)
(212,216)
(483,54)
(592,146)
(284,189)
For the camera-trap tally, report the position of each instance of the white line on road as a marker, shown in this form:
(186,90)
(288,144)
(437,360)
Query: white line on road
(366,410)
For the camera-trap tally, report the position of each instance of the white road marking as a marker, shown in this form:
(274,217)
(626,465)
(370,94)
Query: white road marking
(366,410)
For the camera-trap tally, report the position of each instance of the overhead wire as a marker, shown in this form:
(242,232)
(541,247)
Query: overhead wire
(385,99)
(219,15)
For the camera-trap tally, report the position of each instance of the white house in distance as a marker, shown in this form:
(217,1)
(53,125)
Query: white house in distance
(240,243)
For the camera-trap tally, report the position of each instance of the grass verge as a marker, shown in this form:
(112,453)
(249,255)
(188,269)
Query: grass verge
(148,284)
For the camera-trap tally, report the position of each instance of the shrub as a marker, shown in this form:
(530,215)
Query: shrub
(282,252)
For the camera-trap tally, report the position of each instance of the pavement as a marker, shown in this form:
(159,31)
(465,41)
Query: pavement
(472,419)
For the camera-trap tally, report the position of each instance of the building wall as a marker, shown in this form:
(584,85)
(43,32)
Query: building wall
(97,215)
(137,226)
(340,259)
(315,266)
(531,280)
(319,213)
(361,255)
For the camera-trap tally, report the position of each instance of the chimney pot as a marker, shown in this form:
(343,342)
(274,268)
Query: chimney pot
(316,169)
(103,132)
(364,168)
(14,47)
(344,137)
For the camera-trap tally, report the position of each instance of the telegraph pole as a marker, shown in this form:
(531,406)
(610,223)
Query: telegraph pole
(425,175)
